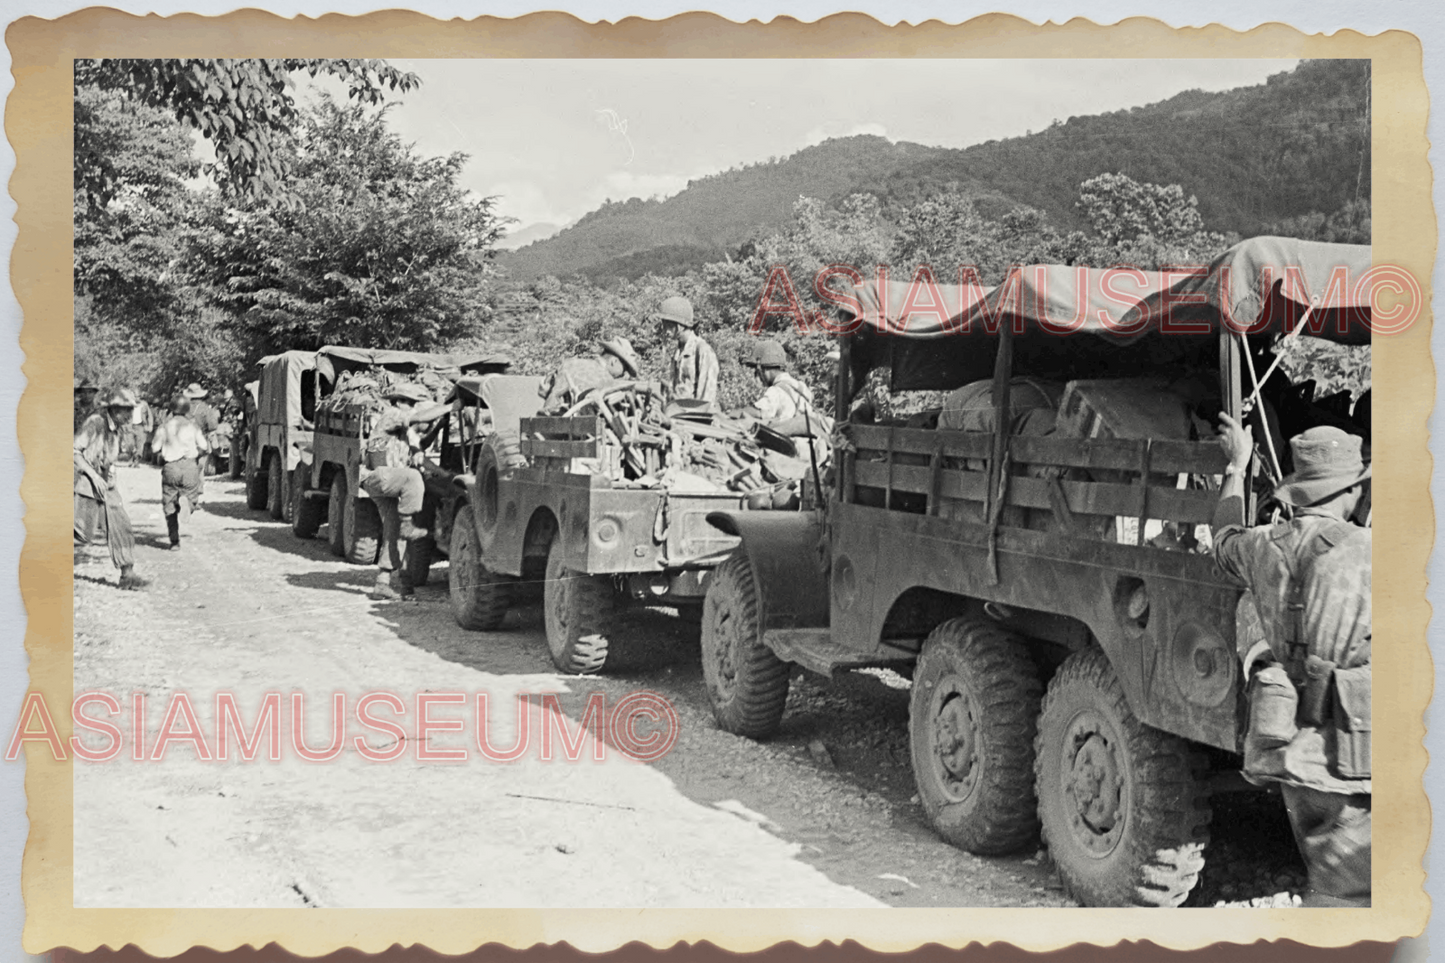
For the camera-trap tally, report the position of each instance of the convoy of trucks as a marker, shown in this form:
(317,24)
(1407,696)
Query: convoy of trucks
(1051,593)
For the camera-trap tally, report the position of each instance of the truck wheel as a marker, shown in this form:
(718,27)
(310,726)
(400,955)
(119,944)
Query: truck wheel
(577,610)
(972,718)
(1123,812)
(336,514)
(360,530)
(747,684)
(480,597)
(418,560)
(307,514)
(275,490)
(257,486)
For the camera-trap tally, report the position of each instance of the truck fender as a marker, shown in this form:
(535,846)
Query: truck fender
(784,550)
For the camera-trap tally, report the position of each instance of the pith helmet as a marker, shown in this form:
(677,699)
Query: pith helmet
(1327,461)
(677,310)
(622,350)
(768,354)
(194,391)
(118,398)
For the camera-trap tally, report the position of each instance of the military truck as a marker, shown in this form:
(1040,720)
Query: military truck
(324,487)
(279,430)
(576,503)
(1071,643)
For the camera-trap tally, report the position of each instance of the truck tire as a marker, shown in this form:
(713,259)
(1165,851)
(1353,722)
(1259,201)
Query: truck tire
(360,530)
(480,597)
(336,514)
(577,610)
(417,560)
(747,685)
(307,514)
(275,489)
(1124,814)
(972,718)
(257,486)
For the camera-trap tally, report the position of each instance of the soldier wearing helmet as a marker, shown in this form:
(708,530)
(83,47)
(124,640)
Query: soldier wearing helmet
(784,397)
(98,505)
(693,369)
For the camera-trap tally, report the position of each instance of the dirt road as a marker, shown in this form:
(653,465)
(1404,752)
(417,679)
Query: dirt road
(823,815)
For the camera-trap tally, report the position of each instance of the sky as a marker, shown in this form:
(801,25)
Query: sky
(553,139)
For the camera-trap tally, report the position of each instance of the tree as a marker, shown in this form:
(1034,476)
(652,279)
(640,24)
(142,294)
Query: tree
(1122,209)
(244,107)
(385,248)
(137,323)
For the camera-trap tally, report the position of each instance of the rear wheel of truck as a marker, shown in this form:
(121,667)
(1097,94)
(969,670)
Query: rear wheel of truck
(577,610)
(257,486)
(336,514)
(972,718)
(307,514)
(1124,813)
(480,597)
(275,489)
(360,530)
(747,685)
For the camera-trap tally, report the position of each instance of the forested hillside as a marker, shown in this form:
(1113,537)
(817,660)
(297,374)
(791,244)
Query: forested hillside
(1284,155)
(713,214)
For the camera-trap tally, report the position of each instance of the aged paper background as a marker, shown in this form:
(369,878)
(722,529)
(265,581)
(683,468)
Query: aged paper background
(1404,234)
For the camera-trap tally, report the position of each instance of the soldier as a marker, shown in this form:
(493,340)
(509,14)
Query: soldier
(179,446)
(784,397)
(98,504)
(392,478)
(85,392)
(615,359)
(202,413)
(1310,676)
(693,370)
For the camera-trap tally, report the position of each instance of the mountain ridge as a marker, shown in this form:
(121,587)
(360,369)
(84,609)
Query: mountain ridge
(1255,156)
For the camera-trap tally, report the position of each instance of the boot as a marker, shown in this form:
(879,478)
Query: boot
(173,530)
(130,581)
(383,591)
(409,530)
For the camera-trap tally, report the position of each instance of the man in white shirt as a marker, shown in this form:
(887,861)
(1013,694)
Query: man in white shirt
(179,444)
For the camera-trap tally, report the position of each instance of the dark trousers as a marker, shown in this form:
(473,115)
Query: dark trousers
(1333,834)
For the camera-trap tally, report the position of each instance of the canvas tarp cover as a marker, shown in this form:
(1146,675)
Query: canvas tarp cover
(338,358)
(510,398)
(280,387)
(1262,286)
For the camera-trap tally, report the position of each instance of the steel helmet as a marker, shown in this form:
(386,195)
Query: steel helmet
(677,310)
(768,354)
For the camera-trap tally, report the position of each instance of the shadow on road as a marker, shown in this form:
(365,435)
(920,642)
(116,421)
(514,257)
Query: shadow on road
(347,580)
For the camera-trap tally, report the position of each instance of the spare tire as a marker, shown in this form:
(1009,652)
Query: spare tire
(501,453)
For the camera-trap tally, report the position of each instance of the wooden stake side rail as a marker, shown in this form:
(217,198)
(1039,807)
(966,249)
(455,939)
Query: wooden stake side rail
(561,437)
(1166,457)
(923,462)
